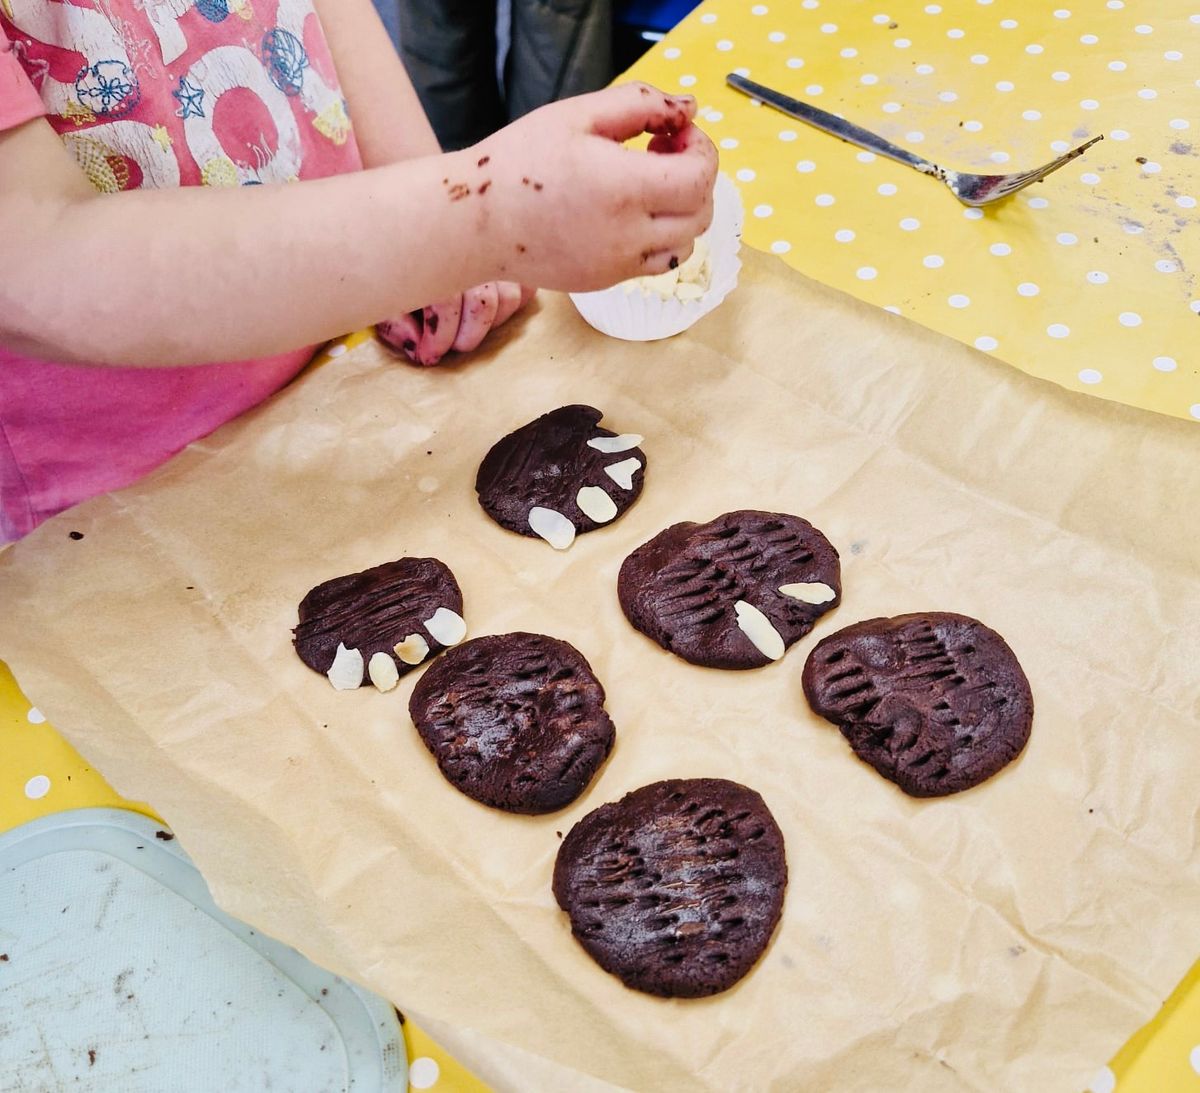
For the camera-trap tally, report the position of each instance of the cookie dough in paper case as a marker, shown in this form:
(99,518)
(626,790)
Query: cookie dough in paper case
(1008,937)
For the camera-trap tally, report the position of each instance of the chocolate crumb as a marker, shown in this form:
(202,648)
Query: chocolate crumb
(400,1017)
(524,182)
(428,451)
(459,190)
(76,535)
(91,1056)
(164,836)
(1140,159)
(644,90)
(189,588)
(484,185)
(559,834)
(520,248)
(445,182)
(892,26)
(3,958)
(674,263)
(1090,811)
(483,161)
(537,185)
(324,991)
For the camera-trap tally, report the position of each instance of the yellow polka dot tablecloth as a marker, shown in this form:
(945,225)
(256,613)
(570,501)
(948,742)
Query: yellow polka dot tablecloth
(1087,279)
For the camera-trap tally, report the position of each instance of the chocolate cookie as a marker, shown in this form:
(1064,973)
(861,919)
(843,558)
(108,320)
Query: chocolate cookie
(732,593)
(403,612)
(515,721)
(935,702)
(677,887)
(560,476)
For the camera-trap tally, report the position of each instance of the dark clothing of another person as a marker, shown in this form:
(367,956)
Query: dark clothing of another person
(557,48)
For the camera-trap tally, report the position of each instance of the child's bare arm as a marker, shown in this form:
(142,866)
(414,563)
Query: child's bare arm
(201,274)
(389,122)
(390,125)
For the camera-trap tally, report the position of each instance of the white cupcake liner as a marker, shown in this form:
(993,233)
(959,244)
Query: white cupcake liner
(637,316)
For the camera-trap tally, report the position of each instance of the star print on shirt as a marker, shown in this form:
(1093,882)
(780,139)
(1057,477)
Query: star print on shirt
(161,137)
(191,99)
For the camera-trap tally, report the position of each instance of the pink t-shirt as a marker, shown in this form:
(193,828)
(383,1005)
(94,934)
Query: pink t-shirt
(153,93)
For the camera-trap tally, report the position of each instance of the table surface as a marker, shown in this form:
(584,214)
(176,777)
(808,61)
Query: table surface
(1087,279)
(1098,251)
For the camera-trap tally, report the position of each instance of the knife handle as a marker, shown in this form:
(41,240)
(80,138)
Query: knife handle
(829,123)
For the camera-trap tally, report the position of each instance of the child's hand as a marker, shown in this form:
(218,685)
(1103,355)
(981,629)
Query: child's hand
(460,324)
(569,208)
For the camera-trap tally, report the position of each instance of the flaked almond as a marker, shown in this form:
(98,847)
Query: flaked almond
(413,649)
(595,504)
(446,627)
(552,526)
(814,592)
(759,629)
(346,671)
(383,671)
(611,444)
(622,473)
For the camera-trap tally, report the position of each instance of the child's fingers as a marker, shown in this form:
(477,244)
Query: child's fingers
(659,261)
(439,327)
(690,138)
(685,225)
(509,301)
(623,112)
(679,182)
(479,308)
(675,234)
(401,334)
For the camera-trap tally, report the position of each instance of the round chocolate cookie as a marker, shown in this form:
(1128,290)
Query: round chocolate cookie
(935,702)
(515,721)
(677,887)
(409,610)
(560,476)
(732,593)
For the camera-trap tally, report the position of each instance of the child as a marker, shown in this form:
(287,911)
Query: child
(190,113)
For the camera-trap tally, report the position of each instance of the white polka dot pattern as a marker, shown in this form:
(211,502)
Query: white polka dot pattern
(423,1073)
(1091,266)
(37,787)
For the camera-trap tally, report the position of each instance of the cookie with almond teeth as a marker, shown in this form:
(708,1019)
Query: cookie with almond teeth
(734,592)
(560,476)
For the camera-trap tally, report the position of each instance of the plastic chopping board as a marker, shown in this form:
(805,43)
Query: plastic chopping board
(118,972)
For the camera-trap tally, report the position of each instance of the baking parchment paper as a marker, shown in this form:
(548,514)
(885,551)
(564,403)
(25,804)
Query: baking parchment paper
(1010,937)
